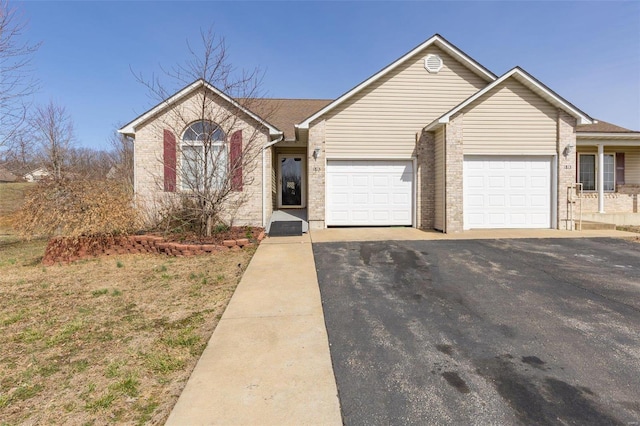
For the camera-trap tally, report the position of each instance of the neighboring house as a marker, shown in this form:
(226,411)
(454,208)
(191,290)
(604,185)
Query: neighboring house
(434,140)
(37,175)
(609,154)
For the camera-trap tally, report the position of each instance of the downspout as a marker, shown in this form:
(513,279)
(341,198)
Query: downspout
(264,178)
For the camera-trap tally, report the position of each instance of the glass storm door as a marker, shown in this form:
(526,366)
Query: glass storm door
(291,181)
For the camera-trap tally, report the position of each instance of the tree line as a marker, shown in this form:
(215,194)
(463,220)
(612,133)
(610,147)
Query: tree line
(42,136)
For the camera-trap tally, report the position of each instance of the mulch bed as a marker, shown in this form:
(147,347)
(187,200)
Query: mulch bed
(233,233)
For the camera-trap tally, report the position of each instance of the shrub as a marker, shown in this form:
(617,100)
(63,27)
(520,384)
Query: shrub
(73,208)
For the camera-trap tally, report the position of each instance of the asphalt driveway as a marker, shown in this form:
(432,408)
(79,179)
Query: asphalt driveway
(538,331)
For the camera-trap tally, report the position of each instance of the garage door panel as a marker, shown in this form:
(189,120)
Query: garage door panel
(518,219)
(537,201)
(495,219)
(496,201)
(377,192)
(517,201)
(517,182)
(539,182)
(507,192)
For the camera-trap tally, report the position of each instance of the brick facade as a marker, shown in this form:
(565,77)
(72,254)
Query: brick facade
(566,167)
(426,181)
(244,207)
(614,202)
(317,176)
(454,159)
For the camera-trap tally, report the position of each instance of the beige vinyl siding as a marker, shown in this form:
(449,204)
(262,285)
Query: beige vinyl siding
(439,169)
(631,160)
(382,120)
(510,120)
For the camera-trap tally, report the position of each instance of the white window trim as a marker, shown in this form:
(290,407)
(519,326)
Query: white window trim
(595,171)
(196,143)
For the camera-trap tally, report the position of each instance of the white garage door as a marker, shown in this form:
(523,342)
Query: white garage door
(507,192)
(371,192)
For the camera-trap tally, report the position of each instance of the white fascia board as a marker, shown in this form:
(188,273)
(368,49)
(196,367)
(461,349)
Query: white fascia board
(441,43)
(605,140)
(553,98)
(434,125)
(518,73)
(130,128)
(600,135)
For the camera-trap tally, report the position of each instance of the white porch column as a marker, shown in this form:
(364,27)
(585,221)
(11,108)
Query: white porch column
(600,179)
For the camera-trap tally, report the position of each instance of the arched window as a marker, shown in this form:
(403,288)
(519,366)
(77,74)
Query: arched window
(204,157)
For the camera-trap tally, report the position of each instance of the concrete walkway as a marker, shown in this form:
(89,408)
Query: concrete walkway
(268,360)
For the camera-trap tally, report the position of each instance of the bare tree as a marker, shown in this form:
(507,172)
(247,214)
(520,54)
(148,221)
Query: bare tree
(53,130)
(122,158)
(16,81)
(88,163)
(213,163)
(20,155)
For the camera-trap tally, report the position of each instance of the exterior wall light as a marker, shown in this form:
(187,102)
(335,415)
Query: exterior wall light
(567,150)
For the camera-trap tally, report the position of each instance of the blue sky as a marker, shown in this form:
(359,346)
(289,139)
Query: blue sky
(588,52)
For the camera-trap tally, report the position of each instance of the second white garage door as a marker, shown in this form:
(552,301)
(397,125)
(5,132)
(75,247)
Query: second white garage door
(507,192)
(369,192)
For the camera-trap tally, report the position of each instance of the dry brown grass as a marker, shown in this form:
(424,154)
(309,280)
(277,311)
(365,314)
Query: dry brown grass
(11,199)
(630,228)
(105,341)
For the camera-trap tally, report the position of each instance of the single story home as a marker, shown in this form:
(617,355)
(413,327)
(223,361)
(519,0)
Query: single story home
(434,140)
(37,175)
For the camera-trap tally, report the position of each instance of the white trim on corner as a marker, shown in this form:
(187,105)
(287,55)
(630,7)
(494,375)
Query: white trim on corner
(554,192)
(415,192)
(519,73)
(436,39)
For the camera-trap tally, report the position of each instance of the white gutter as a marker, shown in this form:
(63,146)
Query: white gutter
(264,178)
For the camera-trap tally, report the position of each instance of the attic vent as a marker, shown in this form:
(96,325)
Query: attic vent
(433,63)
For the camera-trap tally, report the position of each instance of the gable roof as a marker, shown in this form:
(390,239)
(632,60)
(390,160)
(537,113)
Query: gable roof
(436,40)
(607,134)
(600,126)
(285,113)
(130,128)
(528,81)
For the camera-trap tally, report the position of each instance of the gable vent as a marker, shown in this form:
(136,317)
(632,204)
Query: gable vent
(433,63)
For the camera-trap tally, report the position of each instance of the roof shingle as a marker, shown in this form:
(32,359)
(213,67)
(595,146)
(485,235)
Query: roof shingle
(285,113)
(602,127)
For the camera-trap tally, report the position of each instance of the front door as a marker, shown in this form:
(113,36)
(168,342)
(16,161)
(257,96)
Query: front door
(291,185)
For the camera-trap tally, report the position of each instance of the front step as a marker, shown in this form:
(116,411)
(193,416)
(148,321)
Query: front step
(588,225)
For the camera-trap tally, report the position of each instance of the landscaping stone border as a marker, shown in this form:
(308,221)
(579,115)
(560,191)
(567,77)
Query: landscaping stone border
(66,250)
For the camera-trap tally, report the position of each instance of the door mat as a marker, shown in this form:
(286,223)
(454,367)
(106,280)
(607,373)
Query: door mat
(286,228)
